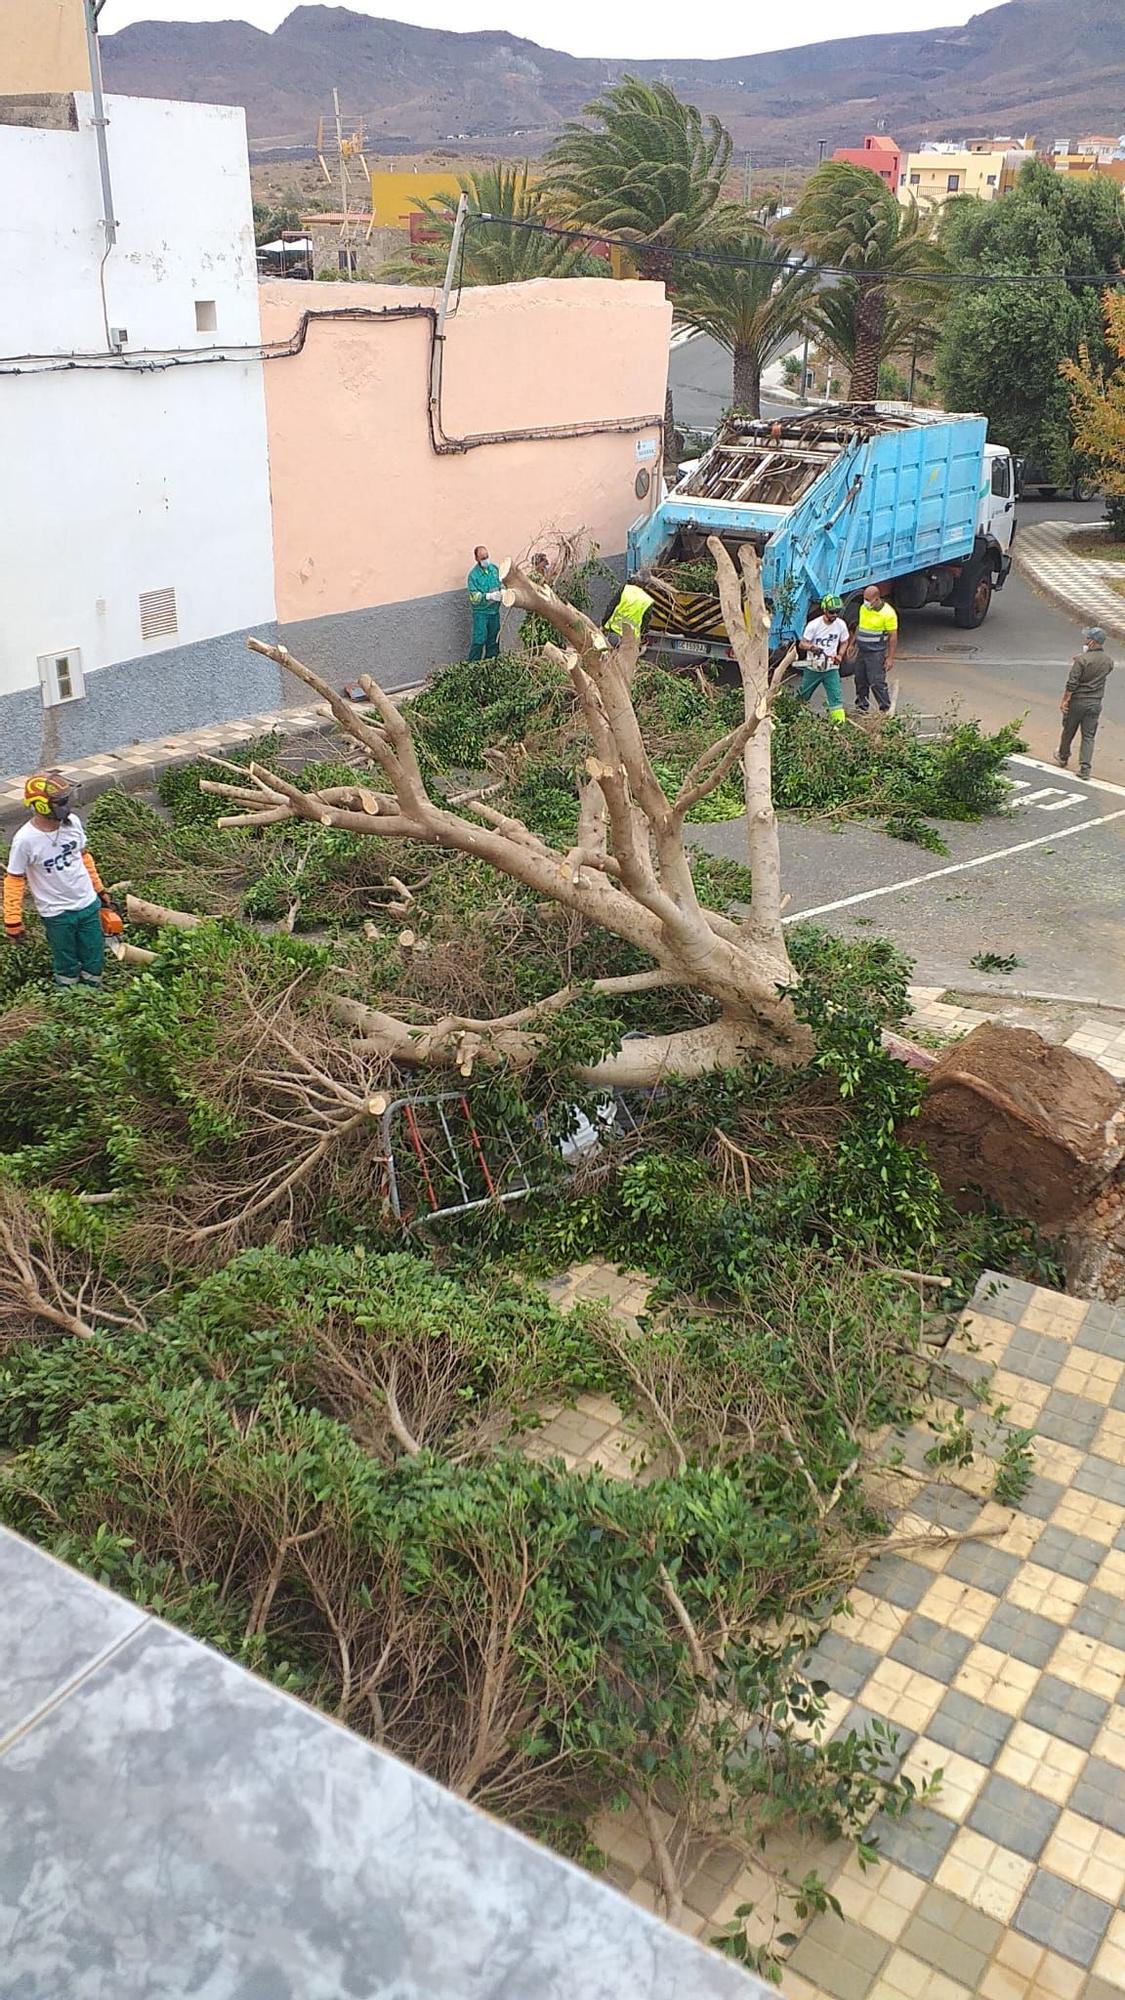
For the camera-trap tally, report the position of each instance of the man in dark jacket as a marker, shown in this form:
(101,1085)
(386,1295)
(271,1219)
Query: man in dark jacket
(1082,698)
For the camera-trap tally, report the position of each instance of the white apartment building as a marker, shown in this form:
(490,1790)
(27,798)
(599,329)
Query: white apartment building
(135,531)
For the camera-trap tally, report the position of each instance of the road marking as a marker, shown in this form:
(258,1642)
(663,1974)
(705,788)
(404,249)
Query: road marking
(955,867)
(1095,784)
(1036,799)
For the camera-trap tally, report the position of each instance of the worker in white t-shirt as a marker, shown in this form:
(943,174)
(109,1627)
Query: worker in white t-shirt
(50,859)
(820,645)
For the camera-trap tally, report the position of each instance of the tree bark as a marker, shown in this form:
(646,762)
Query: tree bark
(747,381)
(748,623)
(870,321)
(628,872)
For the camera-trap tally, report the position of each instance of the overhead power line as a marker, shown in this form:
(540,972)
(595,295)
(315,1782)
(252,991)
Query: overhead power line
(793,259)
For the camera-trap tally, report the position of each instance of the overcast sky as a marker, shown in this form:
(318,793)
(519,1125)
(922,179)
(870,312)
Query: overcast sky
(650,28)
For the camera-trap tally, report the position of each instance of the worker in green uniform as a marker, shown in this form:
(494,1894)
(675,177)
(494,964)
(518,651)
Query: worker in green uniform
(876,642)
(820,646)
(633,609)
(1082,698)
(483,586)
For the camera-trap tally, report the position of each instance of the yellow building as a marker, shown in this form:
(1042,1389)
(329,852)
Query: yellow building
(396,195)
(43,47)
(935,175)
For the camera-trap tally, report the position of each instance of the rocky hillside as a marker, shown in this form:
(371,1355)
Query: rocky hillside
(1049,66)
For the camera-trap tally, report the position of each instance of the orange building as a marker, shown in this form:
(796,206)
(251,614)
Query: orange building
(877,152)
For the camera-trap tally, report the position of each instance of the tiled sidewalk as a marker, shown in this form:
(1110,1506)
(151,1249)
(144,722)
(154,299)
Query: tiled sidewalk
(139,765)
(1101,1036)
(1077,583)
(998,1660)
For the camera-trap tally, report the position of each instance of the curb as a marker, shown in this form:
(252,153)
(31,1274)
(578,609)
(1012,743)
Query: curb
(1035,565)
(142,765)
(1083,1000)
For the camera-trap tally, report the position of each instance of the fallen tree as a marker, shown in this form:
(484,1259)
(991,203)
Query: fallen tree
(627,871)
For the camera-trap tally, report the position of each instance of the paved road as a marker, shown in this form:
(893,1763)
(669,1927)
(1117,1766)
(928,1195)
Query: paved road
(1043,881)
(1046,880)
(700,378)
(1015,665)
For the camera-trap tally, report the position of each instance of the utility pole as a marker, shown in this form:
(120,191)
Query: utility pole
(109,223)
(823,147)
(748,175)
(437,352)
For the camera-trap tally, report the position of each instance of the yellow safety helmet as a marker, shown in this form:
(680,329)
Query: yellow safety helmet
(44,791)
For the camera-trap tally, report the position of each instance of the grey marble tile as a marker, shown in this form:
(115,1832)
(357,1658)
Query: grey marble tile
(53,1623)
(176,1828)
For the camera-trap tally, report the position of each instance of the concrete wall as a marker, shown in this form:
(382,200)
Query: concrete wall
(43,46)
(140,472)
(373,530)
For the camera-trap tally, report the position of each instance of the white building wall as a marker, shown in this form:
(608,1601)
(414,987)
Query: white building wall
(123,476)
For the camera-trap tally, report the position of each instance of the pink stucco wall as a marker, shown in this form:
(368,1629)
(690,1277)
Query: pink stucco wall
(364,511)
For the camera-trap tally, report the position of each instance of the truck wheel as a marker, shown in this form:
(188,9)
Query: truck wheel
(969,616)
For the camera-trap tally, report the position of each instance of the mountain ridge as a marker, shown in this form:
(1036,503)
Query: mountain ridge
(1051,67)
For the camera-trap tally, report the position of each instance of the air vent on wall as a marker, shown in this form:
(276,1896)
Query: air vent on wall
(158,613)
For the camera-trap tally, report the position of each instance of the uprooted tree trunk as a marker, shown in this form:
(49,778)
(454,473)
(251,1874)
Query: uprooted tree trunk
(627,871)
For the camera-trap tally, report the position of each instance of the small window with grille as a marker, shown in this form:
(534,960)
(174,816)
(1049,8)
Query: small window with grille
(158,613)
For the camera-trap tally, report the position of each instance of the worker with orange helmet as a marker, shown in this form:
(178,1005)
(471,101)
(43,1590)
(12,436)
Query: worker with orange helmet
(50,859)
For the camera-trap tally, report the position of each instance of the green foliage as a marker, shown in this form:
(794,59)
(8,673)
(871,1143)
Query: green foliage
(995,961)
(497,705)
(698,575)
(271,219)
(381,1583)
(958,775)
(649,168)
(179,785)
(744,293)
(846,217)
(1001,345)
(472,706)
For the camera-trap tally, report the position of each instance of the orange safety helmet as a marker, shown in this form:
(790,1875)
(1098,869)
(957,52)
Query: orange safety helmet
(44,791)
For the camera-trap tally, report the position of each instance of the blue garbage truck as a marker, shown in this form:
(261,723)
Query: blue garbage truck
(833,499)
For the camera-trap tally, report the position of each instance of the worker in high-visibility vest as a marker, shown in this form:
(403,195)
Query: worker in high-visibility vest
(876,642)
(632,610)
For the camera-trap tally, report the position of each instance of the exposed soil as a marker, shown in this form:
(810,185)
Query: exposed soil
(1042,1133)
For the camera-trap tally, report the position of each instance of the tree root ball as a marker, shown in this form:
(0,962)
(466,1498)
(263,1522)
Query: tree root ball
(1037,1128)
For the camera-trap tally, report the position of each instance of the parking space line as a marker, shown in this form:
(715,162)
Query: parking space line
(958,867)
(1095,784)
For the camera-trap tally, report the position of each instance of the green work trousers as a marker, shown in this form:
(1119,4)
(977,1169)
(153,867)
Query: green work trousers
(827,678)
(486,632)
(77,943)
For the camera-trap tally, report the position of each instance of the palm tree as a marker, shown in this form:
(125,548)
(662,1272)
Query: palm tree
(910,321)
(847,218)
(651,171)
(748,295)
(504,252)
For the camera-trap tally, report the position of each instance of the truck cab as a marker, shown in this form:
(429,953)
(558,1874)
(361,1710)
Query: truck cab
(997,516)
